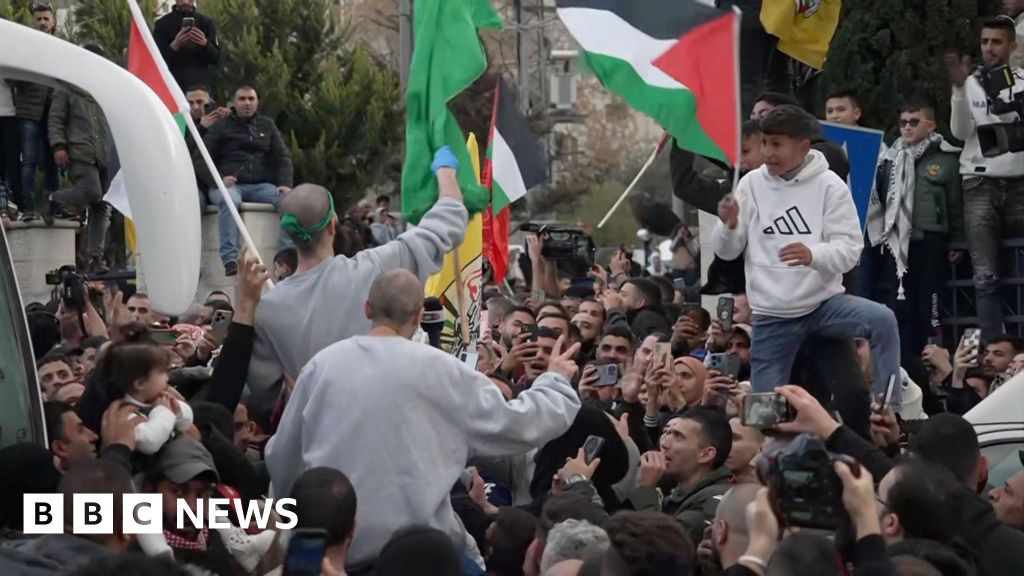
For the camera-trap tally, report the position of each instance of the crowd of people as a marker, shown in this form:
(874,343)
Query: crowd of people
(605,427)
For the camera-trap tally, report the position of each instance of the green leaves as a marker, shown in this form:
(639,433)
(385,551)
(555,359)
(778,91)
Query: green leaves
(888,50)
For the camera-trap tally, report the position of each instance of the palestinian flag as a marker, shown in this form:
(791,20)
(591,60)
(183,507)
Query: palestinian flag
(675,60)
(146,64)
(515,164)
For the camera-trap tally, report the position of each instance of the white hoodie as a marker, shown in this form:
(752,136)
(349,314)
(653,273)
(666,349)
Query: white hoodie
(814,208)
(969,109)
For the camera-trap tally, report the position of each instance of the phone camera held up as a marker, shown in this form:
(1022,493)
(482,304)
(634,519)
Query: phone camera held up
(804,485)
(1000,138)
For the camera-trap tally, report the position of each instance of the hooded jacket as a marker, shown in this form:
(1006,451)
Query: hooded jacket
(814,208)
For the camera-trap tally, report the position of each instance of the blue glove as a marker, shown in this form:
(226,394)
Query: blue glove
(444,158)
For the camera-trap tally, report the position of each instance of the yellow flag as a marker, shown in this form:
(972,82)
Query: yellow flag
(443,286)
(804,27)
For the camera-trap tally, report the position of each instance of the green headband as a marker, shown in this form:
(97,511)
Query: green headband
(291,224)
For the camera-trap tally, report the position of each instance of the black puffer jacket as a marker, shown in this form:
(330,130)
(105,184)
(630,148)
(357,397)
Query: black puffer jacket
(252,150)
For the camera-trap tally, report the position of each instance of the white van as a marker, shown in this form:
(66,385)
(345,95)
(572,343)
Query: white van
(21,408)
(999,422)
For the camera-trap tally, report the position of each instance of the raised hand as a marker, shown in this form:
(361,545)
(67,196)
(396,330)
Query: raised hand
(652,468)
(564,363)
(811,418)
(729,211)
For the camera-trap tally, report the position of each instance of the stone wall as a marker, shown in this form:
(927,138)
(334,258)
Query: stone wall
(37,249)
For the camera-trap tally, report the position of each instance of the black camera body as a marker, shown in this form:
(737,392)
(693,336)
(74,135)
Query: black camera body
(804,484)
(1001,138)
(570,246)
(70,285)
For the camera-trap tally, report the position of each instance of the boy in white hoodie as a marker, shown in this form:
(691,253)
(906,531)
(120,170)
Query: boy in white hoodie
(798,226)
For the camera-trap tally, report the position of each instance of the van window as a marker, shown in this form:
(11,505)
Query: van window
(20,418)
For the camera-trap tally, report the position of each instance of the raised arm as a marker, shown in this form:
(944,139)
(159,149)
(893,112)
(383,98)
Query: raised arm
(421,249)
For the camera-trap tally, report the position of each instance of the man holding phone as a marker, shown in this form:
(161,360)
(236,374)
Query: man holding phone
(188,42)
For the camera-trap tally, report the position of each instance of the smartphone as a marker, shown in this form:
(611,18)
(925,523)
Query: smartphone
(164,337)
(887,396)
(188,22)
(725,307)
(306,550)
(220,322)
(532,330)
(726,363)
(935,341)
(765,410)
(662,354)
(972,338)
(592,448)
(607,374)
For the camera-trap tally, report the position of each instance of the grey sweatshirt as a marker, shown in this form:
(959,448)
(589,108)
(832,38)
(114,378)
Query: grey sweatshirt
(310,311)
(401,420)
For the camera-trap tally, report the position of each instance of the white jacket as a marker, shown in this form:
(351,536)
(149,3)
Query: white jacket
(969,109)
(814,208)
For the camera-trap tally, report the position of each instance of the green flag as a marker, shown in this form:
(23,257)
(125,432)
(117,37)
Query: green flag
(448,57)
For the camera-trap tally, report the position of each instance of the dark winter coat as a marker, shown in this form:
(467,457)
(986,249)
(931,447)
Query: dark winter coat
(252,150)
(78,125)
(191,64)
(694,509)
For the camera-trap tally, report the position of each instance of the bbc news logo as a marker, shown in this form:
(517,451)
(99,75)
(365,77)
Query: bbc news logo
(144,514)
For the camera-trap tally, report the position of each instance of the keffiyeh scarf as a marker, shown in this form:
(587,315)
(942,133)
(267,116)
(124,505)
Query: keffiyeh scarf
(891,224)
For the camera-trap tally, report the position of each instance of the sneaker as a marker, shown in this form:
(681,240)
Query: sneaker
(30,216)
(231,268)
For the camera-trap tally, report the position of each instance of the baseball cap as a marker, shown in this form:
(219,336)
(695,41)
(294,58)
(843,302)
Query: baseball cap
(184,459)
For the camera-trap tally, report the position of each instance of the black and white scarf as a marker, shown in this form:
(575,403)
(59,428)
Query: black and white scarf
(891,225)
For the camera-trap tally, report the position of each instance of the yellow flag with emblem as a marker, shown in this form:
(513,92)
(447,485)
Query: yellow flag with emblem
(804,27)
(444,287)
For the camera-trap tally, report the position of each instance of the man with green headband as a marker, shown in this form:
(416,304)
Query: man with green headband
(322,303)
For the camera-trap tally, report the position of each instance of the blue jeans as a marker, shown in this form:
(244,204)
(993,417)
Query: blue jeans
(261,193)
(776,340)
(35,149)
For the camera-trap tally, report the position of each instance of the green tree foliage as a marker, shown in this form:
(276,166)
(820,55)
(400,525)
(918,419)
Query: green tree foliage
(106,22)
(888,50)
(337,107)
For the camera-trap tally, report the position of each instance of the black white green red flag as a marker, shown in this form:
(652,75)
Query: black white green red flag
(675,60)
(515,164)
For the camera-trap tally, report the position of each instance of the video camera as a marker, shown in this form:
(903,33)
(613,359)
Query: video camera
(1000,138)
(70,284)
(804,484)
(563,243)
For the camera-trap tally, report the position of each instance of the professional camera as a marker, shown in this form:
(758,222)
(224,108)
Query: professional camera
(571,248)
(804,484)
(70,285)
(998,139)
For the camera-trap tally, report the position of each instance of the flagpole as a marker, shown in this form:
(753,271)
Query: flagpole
(224,195)
(182,102)
(647,164)
(739,123)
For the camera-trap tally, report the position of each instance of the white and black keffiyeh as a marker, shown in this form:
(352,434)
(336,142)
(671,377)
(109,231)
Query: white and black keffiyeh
(891,225)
